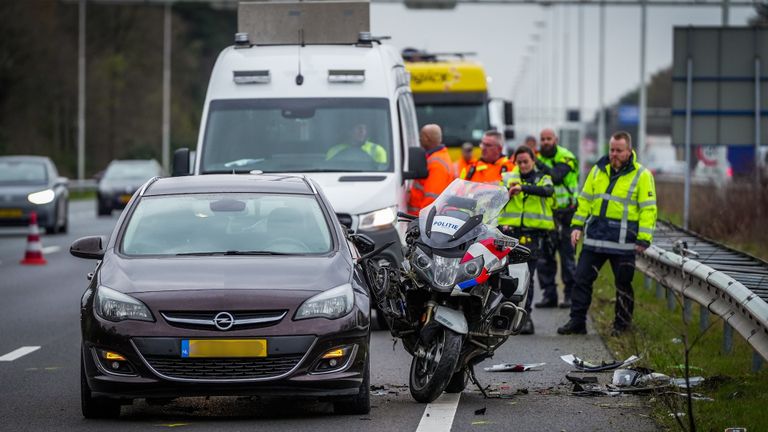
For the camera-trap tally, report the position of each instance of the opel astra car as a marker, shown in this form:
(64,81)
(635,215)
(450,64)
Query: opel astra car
(32,184)
(121,180)
(225,285)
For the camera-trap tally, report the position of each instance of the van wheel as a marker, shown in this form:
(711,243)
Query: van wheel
(93,407)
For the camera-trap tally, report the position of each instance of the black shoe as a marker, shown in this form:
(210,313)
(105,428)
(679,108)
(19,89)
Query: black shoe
(546,304)
(528,328)
(619,330)
(565,304)
(572,327)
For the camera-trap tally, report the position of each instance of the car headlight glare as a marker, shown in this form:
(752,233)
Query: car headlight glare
(116,306)
(331,304)
(378,218)
(42,197)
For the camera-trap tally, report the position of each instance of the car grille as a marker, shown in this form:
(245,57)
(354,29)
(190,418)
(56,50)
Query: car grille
(229,369)
(345,219)
(241,319)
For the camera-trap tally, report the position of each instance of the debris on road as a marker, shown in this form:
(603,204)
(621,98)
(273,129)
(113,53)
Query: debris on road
(480,411)
(692,382)
(513,367)
(603,366)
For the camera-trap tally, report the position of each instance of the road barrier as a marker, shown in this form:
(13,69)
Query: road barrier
(725,282)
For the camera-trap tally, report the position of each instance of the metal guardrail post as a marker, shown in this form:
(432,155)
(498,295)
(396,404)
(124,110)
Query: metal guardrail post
(659,290)
(727,338)
(687,310)
(671,300)
(647,282)
(757,361)
(703,317)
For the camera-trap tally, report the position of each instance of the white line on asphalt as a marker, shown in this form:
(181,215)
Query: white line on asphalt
(51,249)
(21,352)
(438,416)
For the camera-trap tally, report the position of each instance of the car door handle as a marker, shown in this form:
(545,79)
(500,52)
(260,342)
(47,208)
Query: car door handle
(90,276)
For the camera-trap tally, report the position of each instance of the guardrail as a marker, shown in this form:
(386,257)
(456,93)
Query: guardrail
(723,281)
(82,185)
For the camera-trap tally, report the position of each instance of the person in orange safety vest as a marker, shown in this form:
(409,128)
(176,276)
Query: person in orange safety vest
(467,158)
(441,170)
(492,164)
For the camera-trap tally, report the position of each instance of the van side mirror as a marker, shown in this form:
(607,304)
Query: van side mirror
(363,243)
(91,247)
(180,162)
(509,113)
(509,133)
(417,164)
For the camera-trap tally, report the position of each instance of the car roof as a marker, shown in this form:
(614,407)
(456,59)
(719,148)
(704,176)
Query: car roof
(24,158)
(222,183)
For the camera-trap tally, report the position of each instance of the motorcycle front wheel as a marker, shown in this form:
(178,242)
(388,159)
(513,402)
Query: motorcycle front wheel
(433,365)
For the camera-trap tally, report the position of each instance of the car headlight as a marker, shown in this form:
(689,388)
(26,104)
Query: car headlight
(332,304)
(378,218)
(42,197)
(116,306)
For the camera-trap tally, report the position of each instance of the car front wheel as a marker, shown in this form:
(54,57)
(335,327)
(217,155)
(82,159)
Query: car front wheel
(93,407)
(361,403)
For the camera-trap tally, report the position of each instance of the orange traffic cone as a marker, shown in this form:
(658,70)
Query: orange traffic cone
(34,253)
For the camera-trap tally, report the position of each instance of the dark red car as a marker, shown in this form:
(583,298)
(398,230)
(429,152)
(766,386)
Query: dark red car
(225,285)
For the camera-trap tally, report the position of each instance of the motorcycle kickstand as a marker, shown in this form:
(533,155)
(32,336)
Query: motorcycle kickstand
(474,380)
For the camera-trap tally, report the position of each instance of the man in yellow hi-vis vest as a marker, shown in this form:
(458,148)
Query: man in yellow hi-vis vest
(616,217)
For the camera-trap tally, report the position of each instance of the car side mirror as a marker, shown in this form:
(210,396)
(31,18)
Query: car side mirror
(63,181)
(180,163)
(417,164)
(363,243)
(92,247)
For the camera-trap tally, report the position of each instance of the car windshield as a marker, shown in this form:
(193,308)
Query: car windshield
(298,135)
(23,173)
(130,171)
(460,122)
(227,224)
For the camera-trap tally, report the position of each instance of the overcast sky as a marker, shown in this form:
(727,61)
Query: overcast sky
(501,35)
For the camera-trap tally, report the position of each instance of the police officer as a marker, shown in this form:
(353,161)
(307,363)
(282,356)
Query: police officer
(441,170)
(357,139)
(562,166)
(528,214)
(616,217)
(492,164)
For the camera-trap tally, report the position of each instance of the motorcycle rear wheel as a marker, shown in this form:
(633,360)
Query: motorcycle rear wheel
(431,372)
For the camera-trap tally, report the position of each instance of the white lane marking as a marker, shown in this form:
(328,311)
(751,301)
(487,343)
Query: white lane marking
(438,415)
(21,352)
(51,249)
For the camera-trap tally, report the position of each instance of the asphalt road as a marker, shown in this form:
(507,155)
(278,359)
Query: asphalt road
(40,390)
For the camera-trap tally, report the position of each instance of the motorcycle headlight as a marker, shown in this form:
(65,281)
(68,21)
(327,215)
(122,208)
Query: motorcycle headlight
(331,304)
(378,218)
(445,270)
(42,197)
(116,306)
(471,269)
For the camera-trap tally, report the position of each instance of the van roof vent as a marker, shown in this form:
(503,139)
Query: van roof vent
(346,76)
(252,77)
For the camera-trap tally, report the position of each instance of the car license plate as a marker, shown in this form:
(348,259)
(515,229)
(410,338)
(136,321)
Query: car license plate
(11,213)
(124,199)
(221,348)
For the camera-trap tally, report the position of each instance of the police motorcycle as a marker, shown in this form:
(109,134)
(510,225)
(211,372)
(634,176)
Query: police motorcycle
(458,294)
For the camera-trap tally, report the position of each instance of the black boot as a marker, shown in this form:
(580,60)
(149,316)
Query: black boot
(572,327)
(546,304)
(565,304)
(528,327)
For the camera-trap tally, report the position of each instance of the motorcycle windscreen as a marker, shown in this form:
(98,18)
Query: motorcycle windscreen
(463,211)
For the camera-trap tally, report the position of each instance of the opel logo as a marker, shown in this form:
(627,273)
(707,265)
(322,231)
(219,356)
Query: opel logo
(223,320)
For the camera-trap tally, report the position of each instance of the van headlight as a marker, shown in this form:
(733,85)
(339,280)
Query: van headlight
(42,197)
(378,218)
(331,304)
(116,306)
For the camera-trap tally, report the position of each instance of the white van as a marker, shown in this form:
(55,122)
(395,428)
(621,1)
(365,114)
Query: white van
(337,108)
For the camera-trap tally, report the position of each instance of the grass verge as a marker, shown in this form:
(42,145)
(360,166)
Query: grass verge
(82,195)
(740,396)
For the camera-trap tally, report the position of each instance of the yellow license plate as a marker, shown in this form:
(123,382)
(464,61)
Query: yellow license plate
(124,199)
(223,348)
(11,213)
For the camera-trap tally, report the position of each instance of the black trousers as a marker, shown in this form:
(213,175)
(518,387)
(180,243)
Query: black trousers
(559,242)
(623,267)
(533,240)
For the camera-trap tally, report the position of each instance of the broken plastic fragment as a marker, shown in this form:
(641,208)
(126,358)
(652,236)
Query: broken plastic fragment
(513,367)
(587,366)
(692,381)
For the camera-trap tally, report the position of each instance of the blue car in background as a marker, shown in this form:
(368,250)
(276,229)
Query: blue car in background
(32,184)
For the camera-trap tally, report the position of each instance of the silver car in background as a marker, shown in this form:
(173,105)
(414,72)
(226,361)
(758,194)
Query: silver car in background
(32,183)
(121,179)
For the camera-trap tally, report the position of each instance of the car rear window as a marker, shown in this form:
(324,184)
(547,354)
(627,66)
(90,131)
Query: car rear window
(229,223)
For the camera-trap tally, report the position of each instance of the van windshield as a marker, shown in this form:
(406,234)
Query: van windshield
(298,135)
